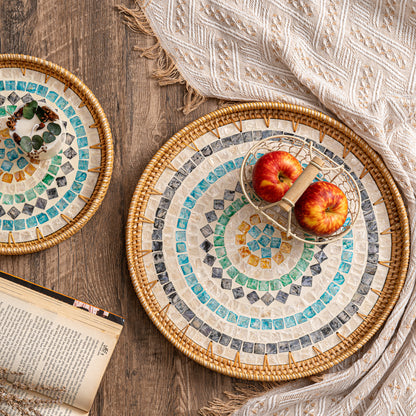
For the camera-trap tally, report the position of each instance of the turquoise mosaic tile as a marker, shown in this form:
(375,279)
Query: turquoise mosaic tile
(80,176)
(61,103)
(22,163)
(213,305)
(243,321)
(266,252)
(42,218)
(76,187)
(82,142)
(275,242)
(6,165)
(182,224)
(21,86)
(180,247)
(1,85)
(204,297)
(80,131)
(309,312)
(9,143)
(180,236)
(229,166)
(69,112)
(333,289)
(318,306)
(189,202)
(42,90)
(266,324)
(186,269)
(290,321)
(52,96)
(10,85)
(211,178)
(326,298)
(344,267)
(300,318)
(278,323)
(61,204)
(84,153)
(255,323)
(197,289)
(7,225)
(31,222)
(220,171)
(222,311)
(69,196)
(183,259)
(191,280)
(83,164)
(339,279)
(232,317)
(347,256)
(12,155)
(31,87)
(19,225)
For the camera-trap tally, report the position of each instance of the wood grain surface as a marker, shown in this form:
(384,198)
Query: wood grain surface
(146,375)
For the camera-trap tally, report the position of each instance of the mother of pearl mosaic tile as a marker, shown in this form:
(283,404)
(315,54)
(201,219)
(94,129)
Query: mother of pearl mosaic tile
(36,197)
(238,282)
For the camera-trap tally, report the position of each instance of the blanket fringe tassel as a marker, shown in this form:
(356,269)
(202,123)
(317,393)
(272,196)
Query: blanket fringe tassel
(243,393)
(166,72)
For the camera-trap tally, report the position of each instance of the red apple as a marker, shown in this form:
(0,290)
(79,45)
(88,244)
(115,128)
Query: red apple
(322,209)
(274,173)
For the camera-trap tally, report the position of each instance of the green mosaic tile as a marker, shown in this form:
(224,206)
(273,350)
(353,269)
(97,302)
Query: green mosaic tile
(7,199)
(18,198)
(30,194)
(48,179)
(2,112)
(302,265)
(286,280)
(263,285)
(53,169)
(40,188)
(225,262)
(11,109)
(252,284)
(275,284)
(230,211)
(238,204)
(232,272)
(221,252)
(241,279)
(219,229)
(244,199)
(224,220)
(57,160)
(218,241)
(295,273)
(307,254)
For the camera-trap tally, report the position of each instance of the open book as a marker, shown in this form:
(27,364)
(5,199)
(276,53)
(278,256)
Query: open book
(56,341)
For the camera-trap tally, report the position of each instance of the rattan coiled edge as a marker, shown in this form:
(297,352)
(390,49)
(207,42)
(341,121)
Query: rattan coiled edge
(328,126)
(25,62)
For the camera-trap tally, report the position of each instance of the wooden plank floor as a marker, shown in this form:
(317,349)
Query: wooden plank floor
(147,375)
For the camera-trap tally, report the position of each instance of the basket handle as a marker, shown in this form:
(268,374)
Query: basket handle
(300,185)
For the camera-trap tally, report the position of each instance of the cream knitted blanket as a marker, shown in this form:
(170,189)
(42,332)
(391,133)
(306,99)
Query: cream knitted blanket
(355,59)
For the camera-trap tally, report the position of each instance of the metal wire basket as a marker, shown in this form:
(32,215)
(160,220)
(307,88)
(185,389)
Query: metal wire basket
(317,166)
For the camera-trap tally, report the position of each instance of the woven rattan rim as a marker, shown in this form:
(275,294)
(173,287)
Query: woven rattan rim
(25,62)
(327,126)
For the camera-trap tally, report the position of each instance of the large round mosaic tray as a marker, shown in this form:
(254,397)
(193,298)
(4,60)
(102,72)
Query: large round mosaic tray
(233,292)
(43,202)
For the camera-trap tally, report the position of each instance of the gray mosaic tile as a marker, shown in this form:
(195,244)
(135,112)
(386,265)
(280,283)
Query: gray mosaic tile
(157,257)
(211,216)
(315,269)
(196,323)
(181,174)
(372,237)
(335,324)
(226,142)
(13,98)
(283,346)
(229,195)
(282,296)
(206,245)
(271,348)
(189,166)
(253,297)
(236,344)
(363,289)
(295,289)
(248,347)
(61,181)
(259,348)
(157,245)
(366,205)
(188,314)
(181,307)
(316,336)
(13,212)
(307,281)
(238,292)
(158,223)
(27,98)
(305,341)
(367,279)
(27,209)
(343,317)
(267,298)
(218,204)
(197,158)
(41,203)
(2,100)
(294,345)
(160,267)
(226,284)
(326,330)
(210,260)
(174,298)
(373,248)
(2,211)
(174,183)
(225,340)
(215,335)
(52,193)
(358,299)
(320,256)
(163,278)
(70,153)
(205,329)
(157,235)
(371,227)
(168,288)
(217,272)
(169,193)
(370,268)
(238,188)
(164,203)
(206,230)
(351,309)
(206,151)
(67,168)
(69,138)
(217,146)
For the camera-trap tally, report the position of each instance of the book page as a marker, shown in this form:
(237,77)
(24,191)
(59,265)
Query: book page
(54,344)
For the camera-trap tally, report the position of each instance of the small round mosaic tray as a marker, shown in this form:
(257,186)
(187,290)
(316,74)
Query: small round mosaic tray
(43,202)
(232,291)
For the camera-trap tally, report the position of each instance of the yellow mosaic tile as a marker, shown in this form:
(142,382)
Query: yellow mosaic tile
(278,258)
(7,177)
(240,239)
(30,169)
(266,263)
(244,227)
(244,251)
(19,176)
(286,247)
(253,260)
(5,134)
(255,219)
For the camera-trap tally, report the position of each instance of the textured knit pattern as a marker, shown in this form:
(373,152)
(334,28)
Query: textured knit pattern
(354,59)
